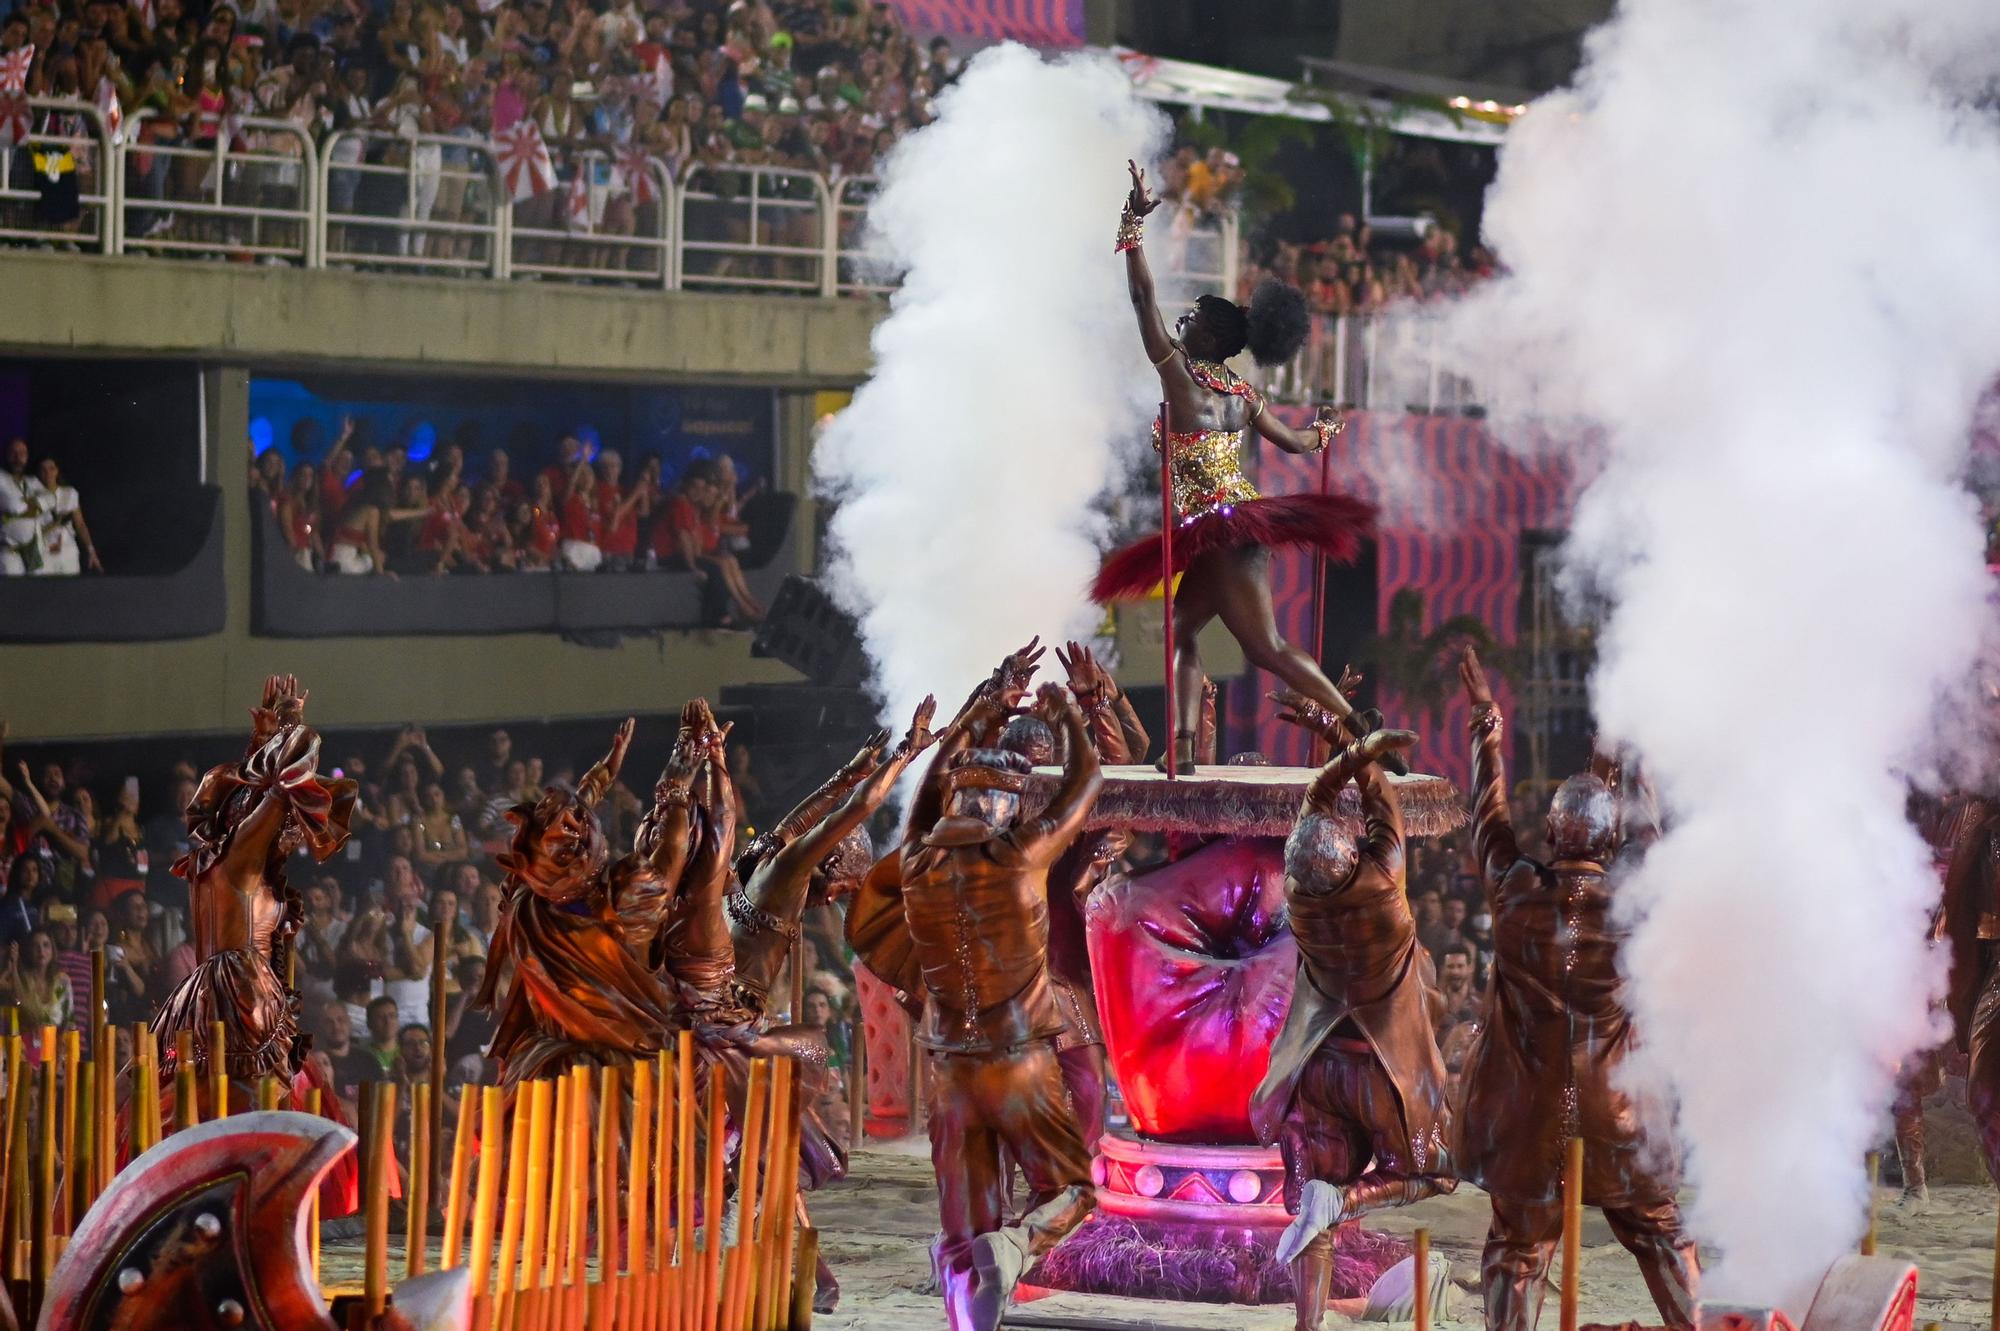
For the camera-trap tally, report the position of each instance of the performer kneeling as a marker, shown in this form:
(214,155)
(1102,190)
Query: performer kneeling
(1355,1097)
(975,912)
(1542,1069)
(1224,532)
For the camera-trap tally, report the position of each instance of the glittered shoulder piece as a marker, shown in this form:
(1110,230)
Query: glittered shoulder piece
(1218,378)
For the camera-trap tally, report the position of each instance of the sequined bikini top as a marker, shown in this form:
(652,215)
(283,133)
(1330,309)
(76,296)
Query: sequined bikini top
(1207,465)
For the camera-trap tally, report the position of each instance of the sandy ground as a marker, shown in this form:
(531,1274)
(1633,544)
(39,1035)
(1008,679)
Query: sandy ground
(877,1226)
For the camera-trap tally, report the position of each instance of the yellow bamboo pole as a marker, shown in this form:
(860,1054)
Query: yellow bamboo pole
(461,1173)
(777,1206)
(187,1110)
(541,1110)
(104,1055)
(801,1290)
(72,1063)
(527,1146)
(416,1233)
(688,1287)
(605,1143)
(790,1276)
(21,1183)
(1874,1183)
(146,1103)
(218,1069)
(17,1072)
(712,1194)
(662,1295)
(488,1197)
(381,1133)
(637,1176)
(1421,1263)
(44,1252)
(579,1178)
(82,1188)
(749,1157)
(1572,1233)
(558,1177)
(312,1221)
(270,1094)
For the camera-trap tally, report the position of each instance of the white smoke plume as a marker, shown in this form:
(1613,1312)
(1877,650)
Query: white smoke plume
(1008,379)
(1751,247)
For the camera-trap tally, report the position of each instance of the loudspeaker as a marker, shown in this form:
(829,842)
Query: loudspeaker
(812,635)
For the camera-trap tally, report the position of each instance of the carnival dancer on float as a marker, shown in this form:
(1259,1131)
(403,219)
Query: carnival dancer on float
(246,820)
(1118,735)
(1544,1065)
(974,916)
(1355,1096)
(1225,531)
(567,976)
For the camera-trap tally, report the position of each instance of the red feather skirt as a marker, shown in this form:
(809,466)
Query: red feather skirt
(1335,524)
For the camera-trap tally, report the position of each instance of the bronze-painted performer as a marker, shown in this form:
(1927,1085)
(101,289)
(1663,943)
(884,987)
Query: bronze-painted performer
(1556,1031)
(1224,531)
(1119,737)
(1355,1095)
(567,974)
(247,818)
(1972,929)
(819,851)
(975,919)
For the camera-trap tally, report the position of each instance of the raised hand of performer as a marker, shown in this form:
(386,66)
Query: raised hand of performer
(1140,201)
(919,736)
(866,758)
(1089,683)
(1350,680)
(1473,676)
(1013,677)
(1296,709)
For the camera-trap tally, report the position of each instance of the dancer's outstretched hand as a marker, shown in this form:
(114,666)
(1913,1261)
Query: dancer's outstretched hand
(1138,202)
(1477,690)
(1014,675)
(919,736)
(1296,709)
(1350,680)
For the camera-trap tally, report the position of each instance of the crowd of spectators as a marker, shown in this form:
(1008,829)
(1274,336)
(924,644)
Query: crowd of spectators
(820,85)
(368,510)
(42,531)
(414,887)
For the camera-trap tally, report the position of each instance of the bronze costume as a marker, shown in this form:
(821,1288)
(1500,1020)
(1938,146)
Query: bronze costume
(974,899)
(1355,1094)
(245,820)
(566,974)
(1544,1062)
(1972,928)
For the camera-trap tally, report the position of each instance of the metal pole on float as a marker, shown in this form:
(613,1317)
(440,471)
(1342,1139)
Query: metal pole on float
(1167,583)
(1321,748)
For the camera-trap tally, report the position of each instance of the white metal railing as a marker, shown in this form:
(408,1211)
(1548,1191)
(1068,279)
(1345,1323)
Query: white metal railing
(411,202)
(617,239)
(752,228)
(61,126)
(252,193)
(1385,361)
(854,273)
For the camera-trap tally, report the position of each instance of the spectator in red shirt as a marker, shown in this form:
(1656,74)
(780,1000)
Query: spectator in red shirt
(693,529)
(500,476)
(582,523)
(559,474)
(619,513)
(537,527)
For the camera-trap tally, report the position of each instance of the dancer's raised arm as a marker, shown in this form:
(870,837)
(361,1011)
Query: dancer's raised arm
(1138,276)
